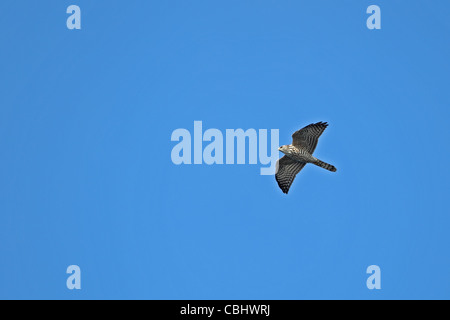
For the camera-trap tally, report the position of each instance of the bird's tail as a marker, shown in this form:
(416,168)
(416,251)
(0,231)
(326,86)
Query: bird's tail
(325,165)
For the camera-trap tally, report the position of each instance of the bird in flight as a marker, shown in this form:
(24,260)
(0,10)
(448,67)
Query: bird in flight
(298,154)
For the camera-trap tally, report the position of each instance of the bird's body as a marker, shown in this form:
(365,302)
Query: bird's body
(299,153)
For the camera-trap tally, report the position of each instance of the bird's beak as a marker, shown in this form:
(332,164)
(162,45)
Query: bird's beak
(279,149)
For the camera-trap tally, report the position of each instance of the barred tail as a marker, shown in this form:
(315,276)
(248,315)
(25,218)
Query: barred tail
(325,165)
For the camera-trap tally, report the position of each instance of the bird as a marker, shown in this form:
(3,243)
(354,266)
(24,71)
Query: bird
(299,153)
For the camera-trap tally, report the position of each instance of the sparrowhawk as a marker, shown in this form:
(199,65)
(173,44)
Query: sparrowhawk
(298,154)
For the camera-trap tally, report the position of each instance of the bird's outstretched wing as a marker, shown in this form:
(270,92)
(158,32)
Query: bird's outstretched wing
(286,171)
(307,137)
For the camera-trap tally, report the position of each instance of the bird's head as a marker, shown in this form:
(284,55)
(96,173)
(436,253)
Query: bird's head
(284,149)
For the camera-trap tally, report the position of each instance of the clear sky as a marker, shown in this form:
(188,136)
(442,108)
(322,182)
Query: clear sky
(86,176)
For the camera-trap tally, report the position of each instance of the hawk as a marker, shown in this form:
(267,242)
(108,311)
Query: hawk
(299,153)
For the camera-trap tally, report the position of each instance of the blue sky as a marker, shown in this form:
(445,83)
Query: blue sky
(86,176)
